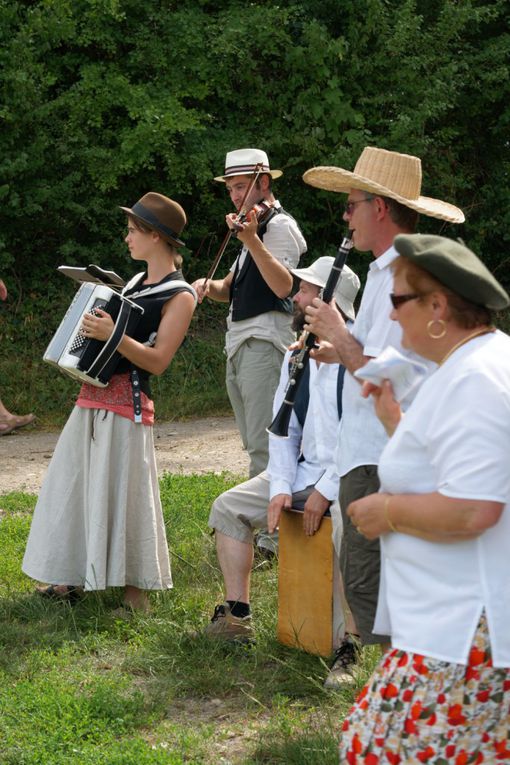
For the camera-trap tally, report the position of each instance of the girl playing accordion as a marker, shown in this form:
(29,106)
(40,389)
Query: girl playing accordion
(98,521)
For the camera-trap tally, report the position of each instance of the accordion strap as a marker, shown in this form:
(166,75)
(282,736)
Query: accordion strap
(137,395)
(127,307)
(113,341)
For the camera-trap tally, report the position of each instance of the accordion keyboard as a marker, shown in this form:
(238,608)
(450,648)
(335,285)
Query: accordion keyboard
(79,340)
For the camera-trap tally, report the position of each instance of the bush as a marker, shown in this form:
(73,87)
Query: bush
(105,100)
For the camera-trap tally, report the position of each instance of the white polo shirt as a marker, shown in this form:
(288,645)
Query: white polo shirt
(454,439)
(362,436)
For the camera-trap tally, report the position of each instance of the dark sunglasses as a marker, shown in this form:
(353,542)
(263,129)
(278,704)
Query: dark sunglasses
(350,206)
(398,300)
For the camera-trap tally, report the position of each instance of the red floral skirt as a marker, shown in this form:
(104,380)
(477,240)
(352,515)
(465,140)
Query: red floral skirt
(416,709)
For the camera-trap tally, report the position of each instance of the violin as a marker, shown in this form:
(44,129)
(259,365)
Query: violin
(261,211)
(240,219)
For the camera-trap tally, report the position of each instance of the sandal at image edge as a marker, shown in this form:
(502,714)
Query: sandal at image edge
(69,592)
(5,428)
(8,424)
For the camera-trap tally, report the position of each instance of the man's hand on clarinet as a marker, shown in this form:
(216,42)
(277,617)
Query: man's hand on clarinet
(278,503)
(325,353)
(324,320)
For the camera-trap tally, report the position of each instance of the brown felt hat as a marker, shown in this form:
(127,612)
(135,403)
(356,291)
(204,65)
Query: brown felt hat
(160,213)
(455,266)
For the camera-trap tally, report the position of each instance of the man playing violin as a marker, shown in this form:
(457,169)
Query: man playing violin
(258,288)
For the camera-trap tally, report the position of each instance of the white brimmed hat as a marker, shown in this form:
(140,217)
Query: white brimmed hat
(388,174)
(346,288)
(244,161)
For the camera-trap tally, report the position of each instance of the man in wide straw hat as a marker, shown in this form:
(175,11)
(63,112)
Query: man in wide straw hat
(257,287)
(384,199)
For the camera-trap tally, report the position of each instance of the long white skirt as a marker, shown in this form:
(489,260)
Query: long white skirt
(98,521)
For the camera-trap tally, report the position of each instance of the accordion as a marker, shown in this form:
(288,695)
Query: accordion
(87,359)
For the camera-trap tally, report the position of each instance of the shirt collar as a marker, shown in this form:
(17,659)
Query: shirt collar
(384,260)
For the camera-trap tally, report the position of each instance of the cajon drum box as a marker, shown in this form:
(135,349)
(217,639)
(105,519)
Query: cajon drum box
(305,586)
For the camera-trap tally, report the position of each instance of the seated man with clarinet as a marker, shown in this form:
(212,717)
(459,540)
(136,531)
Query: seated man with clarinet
(301,472)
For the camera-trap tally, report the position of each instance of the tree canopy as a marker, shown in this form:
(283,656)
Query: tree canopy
(104,100)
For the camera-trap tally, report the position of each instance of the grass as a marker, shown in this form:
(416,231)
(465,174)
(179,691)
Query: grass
(85,685)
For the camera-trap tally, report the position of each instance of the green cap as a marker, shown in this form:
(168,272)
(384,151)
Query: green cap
(455,266)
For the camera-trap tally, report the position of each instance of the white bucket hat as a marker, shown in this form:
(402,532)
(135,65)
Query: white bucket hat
(346,288)
(388,174)
(243,162)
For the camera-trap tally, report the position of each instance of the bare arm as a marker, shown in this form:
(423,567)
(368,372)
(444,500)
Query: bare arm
(429,516)
(274,273)
(216,289)
(3,290)
(175,320)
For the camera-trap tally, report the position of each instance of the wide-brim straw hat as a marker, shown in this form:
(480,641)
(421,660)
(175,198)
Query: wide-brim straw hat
(161,214)
(347,286)
(387,174)
(244,162)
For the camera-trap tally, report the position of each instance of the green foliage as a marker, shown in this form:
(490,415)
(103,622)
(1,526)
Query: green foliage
(104,100)
(91,685)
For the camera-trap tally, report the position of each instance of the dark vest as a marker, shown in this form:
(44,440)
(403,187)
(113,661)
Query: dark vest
(149,322)
(249,294)
(303,394)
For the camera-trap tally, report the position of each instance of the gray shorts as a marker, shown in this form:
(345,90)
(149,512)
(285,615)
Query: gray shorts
(360,558)
(242,509)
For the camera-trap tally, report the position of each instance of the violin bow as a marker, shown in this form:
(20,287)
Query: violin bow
(256,172)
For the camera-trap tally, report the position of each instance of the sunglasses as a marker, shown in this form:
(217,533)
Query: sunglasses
(350,206)
(398,300)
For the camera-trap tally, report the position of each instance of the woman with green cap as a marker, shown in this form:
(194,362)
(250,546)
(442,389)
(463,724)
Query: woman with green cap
(441,694)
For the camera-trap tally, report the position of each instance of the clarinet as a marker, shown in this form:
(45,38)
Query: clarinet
(280,425)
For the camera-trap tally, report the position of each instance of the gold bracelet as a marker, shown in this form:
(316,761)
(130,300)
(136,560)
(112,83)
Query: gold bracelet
(387,514)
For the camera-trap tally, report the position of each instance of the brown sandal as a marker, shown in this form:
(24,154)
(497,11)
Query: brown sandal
(15,421)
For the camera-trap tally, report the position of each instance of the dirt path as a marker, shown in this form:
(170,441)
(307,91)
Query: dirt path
(195,446)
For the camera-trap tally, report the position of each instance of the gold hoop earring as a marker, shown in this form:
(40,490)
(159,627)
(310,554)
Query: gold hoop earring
(442,332)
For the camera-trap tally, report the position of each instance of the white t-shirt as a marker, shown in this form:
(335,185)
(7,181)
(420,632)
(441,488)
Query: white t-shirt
(286,243)
(454,439)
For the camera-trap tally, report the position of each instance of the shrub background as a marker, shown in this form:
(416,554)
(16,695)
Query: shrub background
(103,100)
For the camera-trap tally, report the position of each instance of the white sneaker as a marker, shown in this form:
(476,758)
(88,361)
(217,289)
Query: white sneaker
(341,673)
